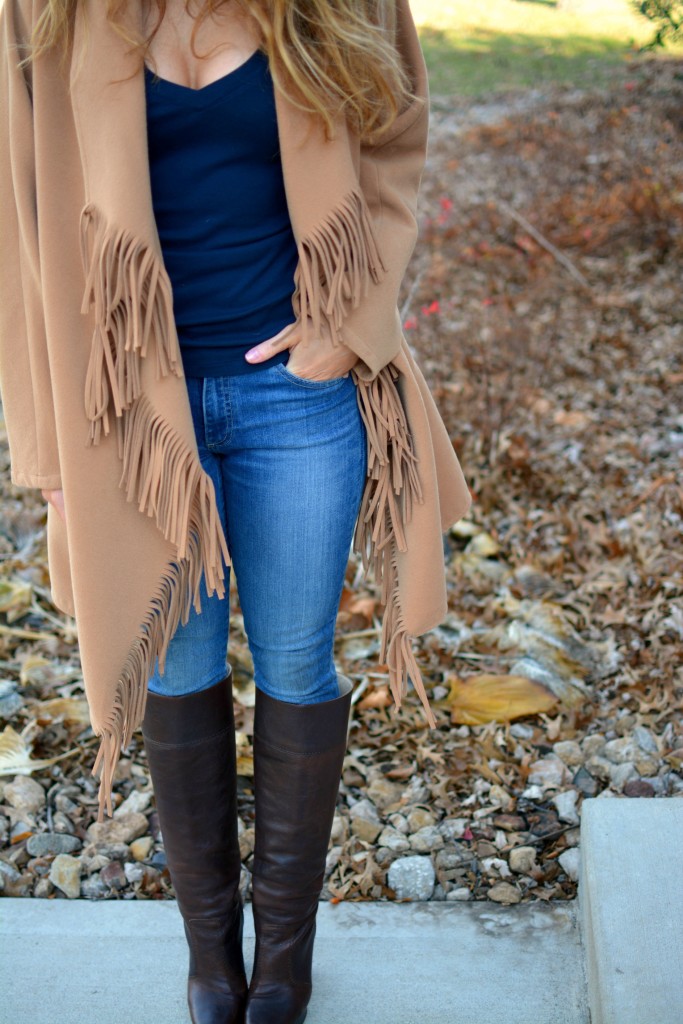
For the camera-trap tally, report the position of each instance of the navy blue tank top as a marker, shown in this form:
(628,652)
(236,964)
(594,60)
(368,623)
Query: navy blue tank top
(221,212)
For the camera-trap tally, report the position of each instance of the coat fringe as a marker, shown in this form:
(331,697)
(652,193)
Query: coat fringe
(131,293)
(162,474)
(392,485)
(337,261)
(126,282)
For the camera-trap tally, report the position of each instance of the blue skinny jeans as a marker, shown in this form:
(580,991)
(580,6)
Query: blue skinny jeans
(288,460)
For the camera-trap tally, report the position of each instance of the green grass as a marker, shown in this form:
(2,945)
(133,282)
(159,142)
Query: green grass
(494,45)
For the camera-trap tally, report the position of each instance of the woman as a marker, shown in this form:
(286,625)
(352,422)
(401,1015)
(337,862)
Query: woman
(230,191)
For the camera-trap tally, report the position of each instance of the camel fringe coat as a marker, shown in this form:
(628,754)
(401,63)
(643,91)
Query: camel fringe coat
(91,375)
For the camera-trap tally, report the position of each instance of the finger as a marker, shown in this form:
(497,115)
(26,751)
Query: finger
(268,348)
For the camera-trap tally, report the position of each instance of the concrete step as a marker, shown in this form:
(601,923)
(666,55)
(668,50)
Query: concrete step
(631,909)
(79,961)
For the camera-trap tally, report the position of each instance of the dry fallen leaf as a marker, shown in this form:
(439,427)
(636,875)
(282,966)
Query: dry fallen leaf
(487,698)
(15,756)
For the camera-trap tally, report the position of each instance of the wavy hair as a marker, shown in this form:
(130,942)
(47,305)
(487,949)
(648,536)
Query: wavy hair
(330,57)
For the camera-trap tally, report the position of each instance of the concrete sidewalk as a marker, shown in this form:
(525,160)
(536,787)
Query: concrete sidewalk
(125,962)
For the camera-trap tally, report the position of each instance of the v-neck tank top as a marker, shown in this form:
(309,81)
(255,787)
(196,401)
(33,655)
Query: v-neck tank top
(221,211)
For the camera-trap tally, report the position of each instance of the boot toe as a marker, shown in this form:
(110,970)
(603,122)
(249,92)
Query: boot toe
(277,1006)
(210,1005)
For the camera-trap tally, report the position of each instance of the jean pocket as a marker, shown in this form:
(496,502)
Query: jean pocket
(306,383)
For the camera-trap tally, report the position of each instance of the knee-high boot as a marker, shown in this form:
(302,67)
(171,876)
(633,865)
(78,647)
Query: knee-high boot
(190,744)
(298,757)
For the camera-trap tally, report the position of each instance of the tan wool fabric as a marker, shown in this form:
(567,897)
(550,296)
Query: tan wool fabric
(91,375)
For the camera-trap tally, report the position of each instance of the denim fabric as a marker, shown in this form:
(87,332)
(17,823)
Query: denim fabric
(288,460)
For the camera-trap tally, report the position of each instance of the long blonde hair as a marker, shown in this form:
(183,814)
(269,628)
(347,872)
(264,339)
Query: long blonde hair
(329,56)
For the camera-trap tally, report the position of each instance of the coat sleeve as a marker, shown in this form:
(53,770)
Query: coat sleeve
(25,382)
(390,176)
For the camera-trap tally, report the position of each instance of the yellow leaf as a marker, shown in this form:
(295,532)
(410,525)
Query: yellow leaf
(15,757)
(70,709)
(489,698)
(15,598)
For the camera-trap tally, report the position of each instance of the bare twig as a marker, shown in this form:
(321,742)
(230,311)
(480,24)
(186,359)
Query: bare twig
(548,246)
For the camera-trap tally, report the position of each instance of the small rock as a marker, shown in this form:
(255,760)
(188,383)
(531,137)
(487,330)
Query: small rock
(420,818)
(21,830)
(504,892)
(384,856)
(95,863)
(366,830)
(62,823)
(113,851)
(137,800)
(569,751)
(133,872)
(599,767)
(427,839)
(453,828)
(459,895)
(521,731)
(533,792)
(124,829)
(42,844)
(383,793)
(65,874)
(65,804)
(622,749)
(399,822)
(584,781)
(638,787)
(496,865)
(522,859)
(509,822)
(8,875)
(393,839)
(25,793)
(158,860)
(645,740)
(140,847)
(621,774)
(500,797)
(593,744)
(364,809)
(332,859)
(485,848)
(113,875)
(416,792)
(572,836)
(10,703)
(548,772)
(566,806)
(340,829)
(569,861)
(247,842)
(43,889)
(93,888)
(454,857)
(412,878)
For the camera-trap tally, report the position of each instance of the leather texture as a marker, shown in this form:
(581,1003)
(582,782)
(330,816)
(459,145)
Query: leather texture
(298,757)
(190,745)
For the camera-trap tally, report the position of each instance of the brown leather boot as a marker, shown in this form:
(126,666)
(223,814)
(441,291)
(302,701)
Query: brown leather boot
(190,744)
(298,756)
